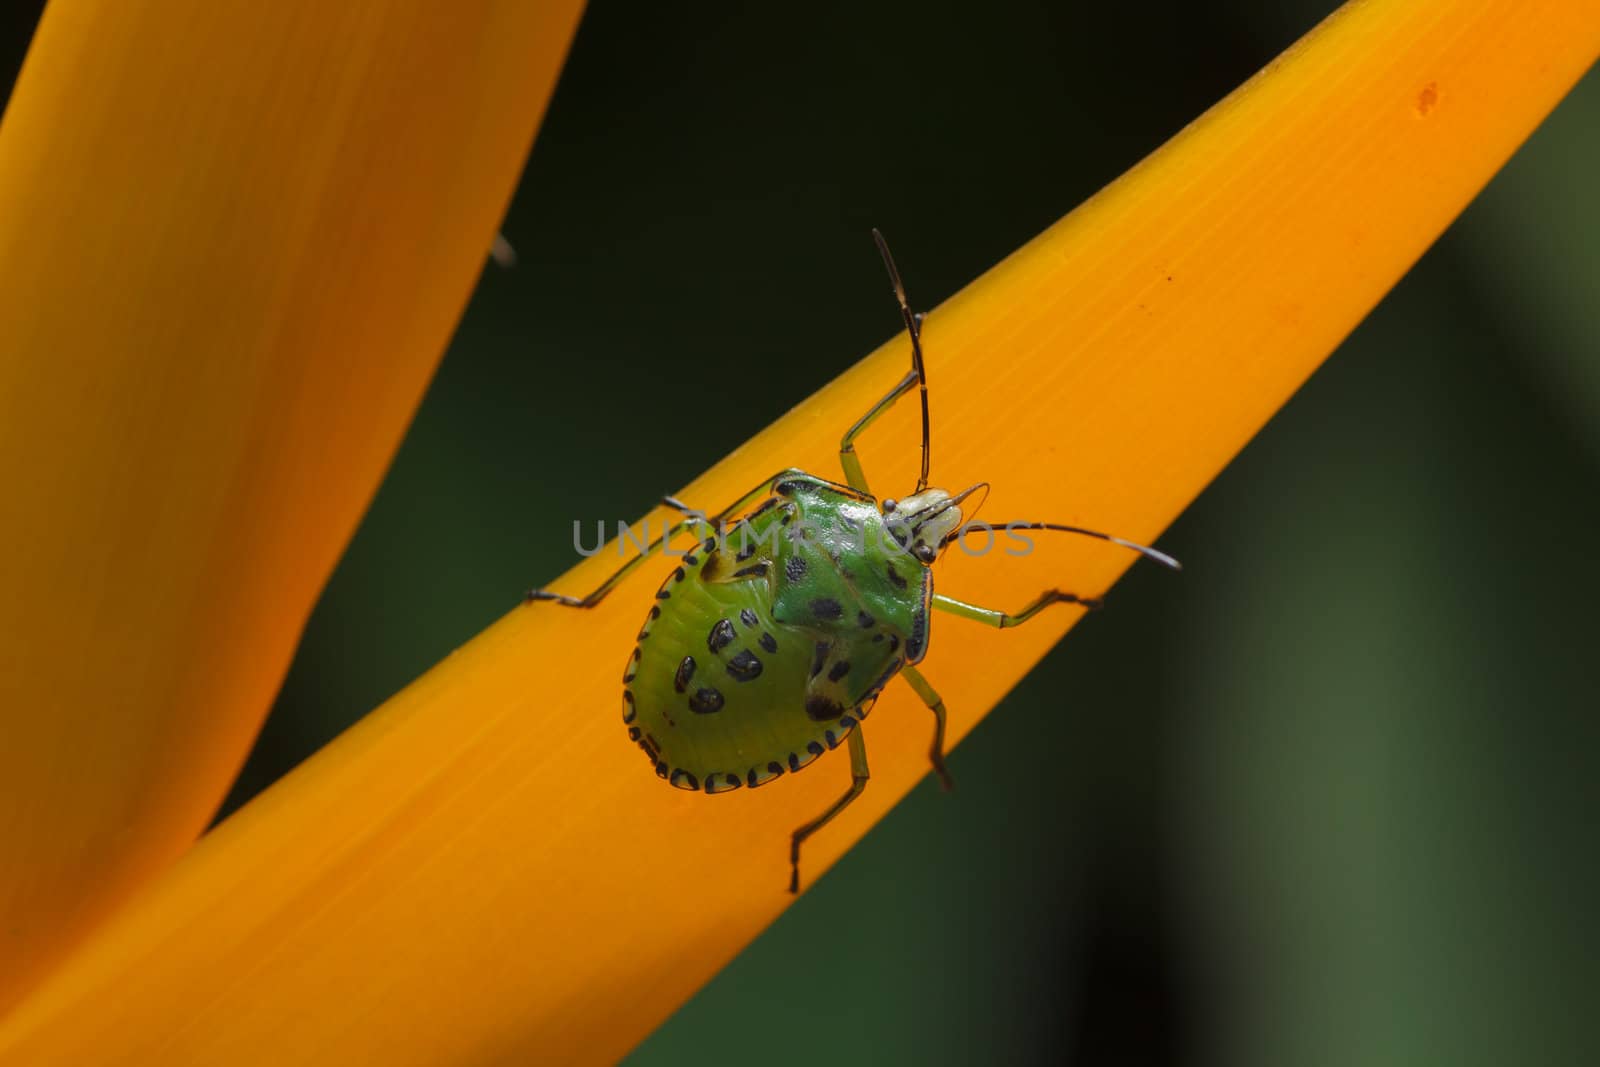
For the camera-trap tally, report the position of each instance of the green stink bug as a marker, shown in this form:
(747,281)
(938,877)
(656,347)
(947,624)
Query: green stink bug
(769,644)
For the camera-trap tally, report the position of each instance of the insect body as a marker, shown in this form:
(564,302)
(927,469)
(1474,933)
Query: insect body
(768,645)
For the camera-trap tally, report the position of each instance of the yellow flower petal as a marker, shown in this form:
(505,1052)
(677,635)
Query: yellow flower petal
(485,871)
(234,240)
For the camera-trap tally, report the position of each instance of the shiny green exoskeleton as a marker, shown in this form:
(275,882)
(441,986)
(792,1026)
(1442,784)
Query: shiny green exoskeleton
(767,646)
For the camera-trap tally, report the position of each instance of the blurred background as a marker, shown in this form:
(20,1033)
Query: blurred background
(1333,791)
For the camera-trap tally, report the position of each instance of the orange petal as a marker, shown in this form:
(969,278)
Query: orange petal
(234,240)
(486,871)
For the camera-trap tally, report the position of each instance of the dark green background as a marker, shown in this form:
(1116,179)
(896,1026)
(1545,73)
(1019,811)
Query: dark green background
(1328,795)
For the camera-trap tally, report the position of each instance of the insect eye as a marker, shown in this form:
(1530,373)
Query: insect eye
(888,504)
(925,553)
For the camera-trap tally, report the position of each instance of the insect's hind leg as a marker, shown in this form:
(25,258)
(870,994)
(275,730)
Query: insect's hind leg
(695,518)
(1004,620)
(935,702)
(858,783)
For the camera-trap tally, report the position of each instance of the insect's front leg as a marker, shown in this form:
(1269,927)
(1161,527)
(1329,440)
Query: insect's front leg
(853,474)
(1002,620)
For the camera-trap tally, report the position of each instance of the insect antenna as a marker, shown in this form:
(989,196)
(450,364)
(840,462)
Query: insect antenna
(914,328)
(1144,550)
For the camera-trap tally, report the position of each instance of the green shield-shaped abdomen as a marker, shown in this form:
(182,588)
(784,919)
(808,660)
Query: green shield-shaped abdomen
(763,652)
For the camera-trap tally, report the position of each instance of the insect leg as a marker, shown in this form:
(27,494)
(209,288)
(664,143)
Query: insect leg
(935,702)
(917,376)
(695,519)
(679,506)
(848,459)
(858,782)
(1002,620)
(621,572)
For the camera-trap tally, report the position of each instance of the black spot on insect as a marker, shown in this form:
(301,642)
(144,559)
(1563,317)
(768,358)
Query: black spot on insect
(895,577)
(760,776)
(838,670)
(755,570)
(748,617)
(877,639)
(721,635)
(768,642)
(831,738)
(680,680)
(628,711)
(917,643)
(706,701)
(655,612)
(661,769)
(708,544)
(721,783)
(883,679)
(744,666)
(826,608)
(684,780)
(746,550)
(894,642)
(819,656)
(690,559)
(633,733)
(865,621)
(677,574)
(795,568)
(794,762)
(846,721)
(651,746)
(662,594)
(823,709)
(791,486)
(814,748)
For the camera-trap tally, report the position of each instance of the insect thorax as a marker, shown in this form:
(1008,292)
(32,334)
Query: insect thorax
(834,548)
